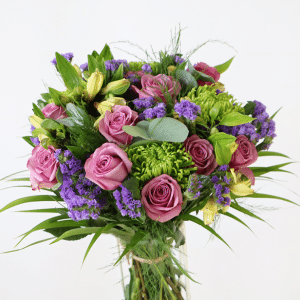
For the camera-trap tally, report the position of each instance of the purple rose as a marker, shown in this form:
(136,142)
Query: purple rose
(162,198)
(55,112)
(202,153)
(108,166)
(42,166)
(245,155)
(111,125)
(158,87)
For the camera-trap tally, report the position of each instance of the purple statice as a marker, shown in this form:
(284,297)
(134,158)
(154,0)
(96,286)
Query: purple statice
(143,102)
(146,68)
(220,190)
(68,56)
(226,179)
(187,109)
(114,64)
(223,168)
(126,204)
(157,111)
(194,187)
(84,66)
(247,129)
(219,91)
(34,140)
(178,60)
(215,179)
(133,78)
(81,195)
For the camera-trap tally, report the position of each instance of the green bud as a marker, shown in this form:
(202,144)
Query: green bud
(117,87)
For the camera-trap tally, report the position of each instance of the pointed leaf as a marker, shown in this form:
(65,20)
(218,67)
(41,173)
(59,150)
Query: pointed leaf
(138,236)
(223,67)
(46,96)
(235,118)
(93,64)
(201,223)
(31,199)
(258,171)
(28,140)
(67,72)
(58,231)
(96,236)
(55,96)
(271,153)
(275,113)
(36,110)
(260,195)
(13,174)
(43,210)
(118,75)
(105,54)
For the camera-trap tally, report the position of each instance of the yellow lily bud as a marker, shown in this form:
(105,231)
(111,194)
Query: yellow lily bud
(239,186)
(36,122)
(94,84)
(233,147)
(102,107)
(209,211)
(78,70)
(171,69)
(117,87)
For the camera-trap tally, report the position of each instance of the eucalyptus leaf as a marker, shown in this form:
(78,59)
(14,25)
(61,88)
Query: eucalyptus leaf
(136,131)
(185,78)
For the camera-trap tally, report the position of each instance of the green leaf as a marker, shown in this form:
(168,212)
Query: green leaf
(20,179)
(31,199)
(222,137)
(93,64)
(78,152)
(185,78)
(270,153)
(223,154)
(96,236)
(249,108)
(235,118)
(95,54)
(201,223)
(214,111)
(275,113)
(37,111)
(46,96)
(55,96)
(136,131)
(223,67)
(51,124)
(259,195)
(40,130)
(138,236)
(144,143)
(57,232)
(105,54)
(35,243)
(258,171)
(235,218)
(78,231)
(246,211)
(119,73)
(67,72)
(168,129)
(132,184)
(44,210)
(28,140)
(13,174)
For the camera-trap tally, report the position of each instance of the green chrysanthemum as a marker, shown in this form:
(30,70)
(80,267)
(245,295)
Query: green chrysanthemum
(206,97)
(156,159)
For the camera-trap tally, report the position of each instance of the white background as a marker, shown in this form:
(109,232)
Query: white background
(266,68)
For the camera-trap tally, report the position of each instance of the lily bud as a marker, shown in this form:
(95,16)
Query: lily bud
(239,186)
(117,87)
(209,211)
(94,84)
(78,70)
(102,107)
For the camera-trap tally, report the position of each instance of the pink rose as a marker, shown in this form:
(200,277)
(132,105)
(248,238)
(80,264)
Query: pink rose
(245,154)
(162,198)
(210,71)
(111,125)
(55,112)
(108,166)
(158,86)
(42,166)
(202,153)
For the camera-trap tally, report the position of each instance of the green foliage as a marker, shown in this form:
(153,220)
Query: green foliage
(235,118)
(118,75)
(36,110)
(57,232)
(199,75)
(249,108)
(105,54)
(28,140)
(186,79)
(93,64)
(47,97)
(235,218)
(223,67)
(55,96)
(132,184)
(271,153)
(258,171)
(67,72)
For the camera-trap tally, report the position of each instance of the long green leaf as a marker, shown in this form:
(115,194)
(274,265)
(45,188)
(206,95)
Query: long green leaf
(13,174)
(78,231)
(235,218)
(96,236)
(67,72)
(259,195)
(257,171)
(30,199)
(20,179)
(138,236)
(271,153)
(201,223)
(15,186)
(43,210)
(41,241)
(275,113)
(246,212)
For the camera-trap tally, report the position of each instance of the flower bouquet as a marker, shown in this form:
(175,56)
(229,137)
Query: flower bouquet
(134,149)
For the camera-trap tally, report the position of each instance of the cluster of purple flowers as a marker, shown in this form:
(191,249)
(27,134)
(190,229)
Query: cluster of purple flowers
(84,66)
(220,189)
(194,186)
(126,204)
(187,109)
(114,64)
(143,103)
(247,129)
(133,78)
(157,111)
(35,140)
(178,60)
(81,195)
(68,56)
(146,68)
